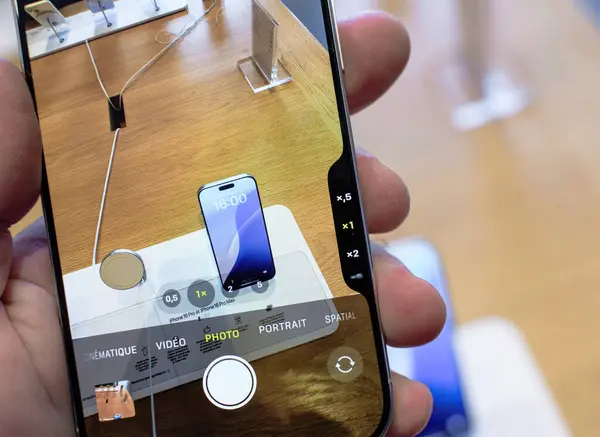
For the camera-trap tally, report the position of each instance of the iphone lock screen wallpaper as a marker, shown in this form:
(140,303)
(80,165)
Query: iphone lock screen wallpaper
(205,218)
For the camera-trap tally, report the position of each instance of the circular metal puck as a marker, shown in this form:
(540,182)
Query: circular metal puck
(122,269)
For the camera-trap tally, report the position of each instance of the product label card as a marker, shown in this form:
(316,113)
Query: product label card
(264,40)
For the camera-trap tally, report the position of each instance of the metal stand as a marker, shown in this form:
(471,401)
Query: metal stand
(51,24)
(49,18)
(101,6)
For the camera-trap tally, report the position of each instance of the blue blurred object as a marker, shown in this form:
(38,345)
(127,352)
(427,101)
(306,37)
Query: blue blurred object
(435,364)
(592,8)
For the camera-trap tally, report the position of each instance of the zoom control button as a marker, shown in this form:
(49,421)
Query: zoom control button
(348,226)
(344,198)
(355,263)
(201,294)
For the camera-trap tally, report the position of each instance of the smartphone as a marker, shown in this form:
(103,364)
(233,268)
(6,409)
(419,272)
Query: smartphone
(97,6)
(237,231)
(249,305)
(45,13)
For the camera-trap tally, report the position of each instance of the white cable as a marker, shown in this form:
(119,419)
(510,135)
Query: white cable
(149,339)
(98,75)
(166,32)
(151,62)
(185,31)
(108,171)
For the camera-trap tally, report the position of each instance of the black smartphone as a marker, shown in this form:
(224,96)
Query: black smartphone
(252,314)
(237,231)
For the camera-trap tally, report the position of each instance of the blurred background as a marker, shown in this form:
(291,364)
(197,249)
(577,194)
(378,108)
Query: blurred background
(495,127)
(512,205)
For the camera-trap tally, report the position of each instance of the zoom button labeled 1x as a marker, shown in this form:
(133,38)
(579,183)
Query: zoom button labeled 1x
(201,294)
(348,227)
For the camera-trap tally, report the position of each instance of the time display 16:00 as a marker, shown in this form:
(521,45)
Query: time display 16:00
(230,201)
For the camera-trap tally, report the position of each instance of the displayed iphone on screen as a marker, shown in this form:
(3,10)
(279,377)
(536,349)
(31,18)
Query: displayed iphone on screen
(208,240)
(238,234)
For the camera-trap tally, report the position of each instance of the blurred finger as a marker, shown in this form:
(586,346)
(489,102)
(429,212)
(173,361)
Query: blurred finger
(385,197)
(412,407)
(376,48)
(412,311)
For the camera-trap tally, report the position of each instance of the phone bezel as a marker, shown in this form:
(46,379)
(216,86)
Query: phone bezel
(348,153)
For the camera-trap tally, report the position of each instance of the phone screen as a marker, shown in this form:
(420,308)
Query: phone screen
(238,234)
(211,257)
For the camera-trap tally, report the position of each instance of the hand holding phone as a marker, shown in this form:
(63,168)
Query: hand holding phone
(293,147)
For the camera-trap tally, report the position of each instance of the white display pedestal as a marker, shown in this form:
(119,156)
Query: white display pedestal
(486,92)
(42,41)
(506,389)
(501,99)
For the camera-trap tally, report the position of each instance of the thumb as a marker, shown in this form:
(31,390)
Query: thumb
(20,147)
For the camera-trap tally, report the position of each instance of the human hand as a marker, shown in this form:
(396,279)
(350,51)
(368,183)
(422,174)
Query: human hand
(35,400)
(376,49)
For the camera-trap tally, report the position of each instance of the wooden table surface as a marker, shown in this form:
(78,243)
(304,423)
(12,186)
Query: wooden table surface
(191,119)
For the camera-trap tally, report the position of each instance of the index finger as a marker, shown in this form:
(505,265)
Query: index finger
(376,48)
